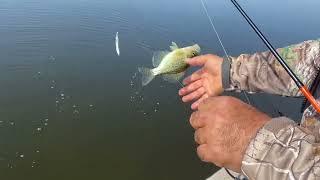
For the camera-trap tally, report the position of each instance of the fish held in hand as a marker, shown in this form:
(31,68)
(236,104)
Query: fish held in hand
(171,65)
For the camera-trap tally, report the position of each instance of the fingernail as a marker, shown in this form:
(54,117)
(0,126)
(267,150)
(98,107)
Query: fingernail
(181,91)
(194,106)
(184,99)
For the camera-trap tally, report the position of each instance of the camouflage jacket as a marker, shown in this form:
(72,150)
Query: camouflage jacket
(281,149)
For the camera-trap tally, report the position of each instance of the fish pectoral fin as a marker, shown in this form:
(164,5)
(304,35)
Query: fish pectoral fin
(173,78)
(174,46)
(157,57)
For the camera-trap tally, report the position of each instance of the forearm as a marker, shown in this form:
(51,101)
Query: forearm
(282,150)
(261,72)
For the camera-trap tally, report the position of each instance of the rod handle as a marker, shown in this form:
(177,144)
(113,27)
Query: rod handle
(310,98)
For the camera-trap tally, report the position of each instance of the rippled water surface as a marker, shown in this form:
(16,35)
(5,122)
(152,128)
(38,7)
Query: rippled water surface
(71,108)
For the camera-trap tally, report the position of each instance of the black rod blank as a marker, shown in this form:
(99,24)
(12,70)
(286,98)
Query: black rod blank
(268,44)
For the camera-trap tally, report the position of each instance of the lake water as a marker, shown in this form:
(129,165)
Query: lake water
(72,109)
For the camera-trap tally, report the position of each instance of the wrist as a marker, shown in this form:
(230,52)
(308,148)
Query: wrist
(225,73)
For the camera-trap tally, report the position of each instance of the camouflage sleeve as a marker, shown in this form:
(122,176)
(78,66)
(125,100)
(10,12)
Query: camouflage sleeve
(261,72)
(284,150)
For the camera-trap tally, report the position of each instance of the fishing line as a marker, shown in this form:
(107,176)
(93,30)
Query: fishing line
(203,2)
(225,52)
(180,83)
(231,175)
(214,28)
(247,97)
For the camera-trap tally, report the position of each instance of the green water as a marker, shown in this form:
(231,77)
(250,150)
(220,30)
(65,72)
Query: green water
(72,109)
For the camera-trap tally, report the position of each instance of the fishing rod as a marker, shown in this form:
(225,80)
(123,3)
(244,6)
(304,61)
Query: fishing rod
(304,90)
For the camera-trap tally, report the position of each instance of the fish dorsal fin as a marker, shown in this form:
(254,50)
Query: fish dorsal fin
(174,46)
(173,78)
(157,57)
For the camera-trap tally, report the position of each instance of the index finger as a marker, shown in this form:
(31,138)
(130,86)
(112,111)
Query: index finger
(200,60)
(193,77)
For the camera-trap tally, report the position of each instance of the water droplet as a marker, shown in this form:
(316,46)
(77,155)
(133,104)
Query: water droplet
(37,151)
(75,112)
(90,105)
(12,123)
(46,124)
(52,87)
(57,102)
(62,95)
(34,164)
(19,155)
(39,72)
(52,58)
(158,103)
(10,165)
(46,120)
(39,129)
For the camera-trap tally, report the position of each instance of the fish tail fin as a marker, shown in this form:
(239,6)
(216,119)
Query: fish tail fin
(147,75)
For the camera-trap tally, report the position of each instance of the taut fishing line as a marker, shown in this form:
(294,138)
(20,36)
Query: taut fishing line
(203,2)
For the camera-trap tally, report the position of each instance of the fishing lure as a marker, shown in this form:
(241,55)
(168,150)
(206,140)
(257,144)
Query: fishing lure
(117,44)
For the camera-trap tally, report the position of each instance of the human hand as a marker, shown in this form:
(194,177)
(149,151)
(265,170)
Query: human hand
(203,83)
(224,127)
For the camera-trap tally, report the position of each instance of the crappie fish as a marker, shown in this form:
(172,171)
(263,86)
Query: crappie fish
(171,65)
